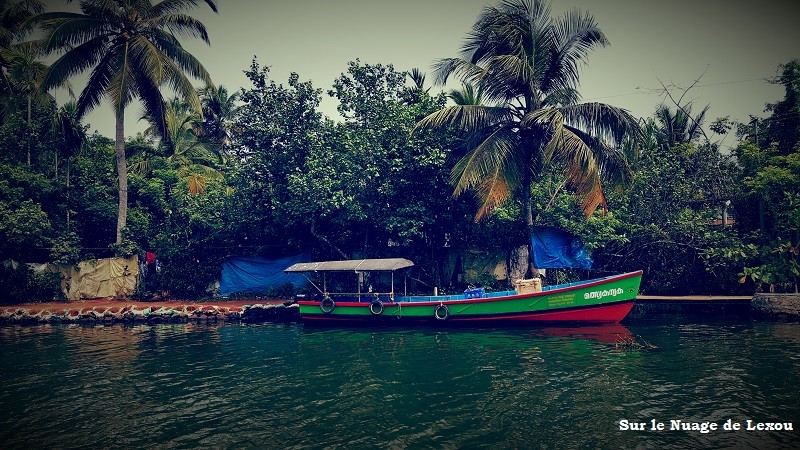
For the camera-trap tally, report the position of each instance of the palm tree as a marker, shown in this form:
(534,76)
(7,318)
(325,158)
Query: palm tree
(467,95)
(418,78)
(646,141)
(679,127)
(196,160)
(24,76)
(69,128)
(525,62)
(133,48)
(14,17)
(73,135)
(20,69)
(219,107)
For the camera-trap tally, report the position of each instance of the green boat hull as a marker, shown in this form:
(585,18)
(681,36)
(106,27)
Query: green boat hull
(602,300)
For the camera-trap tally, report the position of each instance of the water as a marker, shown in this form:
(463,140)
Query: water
(290,386)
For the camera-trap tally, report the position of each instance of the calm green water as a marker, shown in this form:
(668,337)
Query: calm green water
(290,386)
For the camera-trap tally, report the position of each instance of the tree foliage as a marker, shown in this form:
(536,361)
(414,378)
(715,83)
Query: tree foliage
(133,50)
(262,172)
(525,62)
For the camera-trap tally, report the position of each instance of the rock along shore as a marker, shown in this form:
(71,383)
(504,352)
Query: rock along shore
(784,305)
(93,312)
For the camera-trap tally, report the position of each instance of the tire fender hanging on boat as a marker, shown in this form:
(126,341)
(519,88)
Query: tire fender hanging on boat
(441,312)
(327,305)
(376,307)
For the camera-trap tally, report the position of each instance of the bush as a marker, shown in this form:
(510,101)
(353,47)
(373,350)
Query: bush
(23,285)
(188,277)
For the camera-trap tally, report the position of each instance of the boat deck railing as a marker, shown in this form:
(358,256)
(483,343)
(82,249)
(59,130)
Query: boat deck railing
(444,298)
(361,296)
(387,296)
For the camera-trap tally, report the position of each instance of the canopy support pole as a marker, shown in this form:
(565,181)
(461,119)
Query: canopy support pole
(312,283)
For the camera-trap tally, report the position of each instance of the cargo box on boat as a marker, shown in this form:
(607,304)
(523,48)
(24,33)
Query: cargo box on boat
(528,286)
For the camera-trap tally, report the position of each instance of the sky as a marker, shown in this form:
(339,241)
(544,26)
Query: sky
(730,47)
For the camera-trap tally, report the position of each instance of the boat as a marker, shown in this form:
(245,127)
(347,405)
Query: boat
(601,300)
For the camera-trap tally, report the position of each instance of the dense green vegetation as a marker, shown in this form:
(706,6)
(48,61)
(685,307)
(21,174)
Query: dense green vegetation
(260,171)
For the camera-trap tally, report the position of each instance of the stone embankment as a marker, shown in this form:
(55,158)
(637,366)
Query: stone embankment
(146,313)
(787,305)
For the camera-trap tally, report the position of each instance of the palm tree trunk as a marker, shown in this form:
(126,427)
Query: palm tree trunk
(30,132)
(526,199)
(527,181)
(794,257)
(68,203)
(122,173)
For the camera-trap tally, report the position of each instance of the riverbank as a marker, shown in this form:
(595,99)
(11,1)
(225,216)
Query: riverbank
(655,306)
(767,305)
(124,311)
(109,311)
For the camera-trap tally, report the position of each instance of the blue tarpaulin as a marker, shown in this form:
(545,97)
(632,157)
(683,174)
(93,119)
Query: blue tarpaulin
(556,249)
(244,274)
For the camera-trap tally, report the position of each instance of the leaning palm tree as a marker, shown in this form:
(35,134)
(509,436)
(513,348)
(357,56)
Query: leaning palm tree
(133,48)
(525,62)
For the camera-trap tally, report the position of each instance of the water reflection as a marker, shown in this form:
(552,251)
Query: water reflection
(607,333)
(288,386)
(611,333)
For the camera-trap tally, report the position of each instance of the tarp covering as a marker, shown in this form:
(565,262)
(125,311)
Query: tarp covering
(244,274)
(98,278)
(556,249)
(101,278)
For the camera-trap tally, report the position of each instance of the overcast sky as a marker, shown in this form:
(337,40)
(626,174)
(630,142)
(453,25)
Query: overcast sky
(733,44)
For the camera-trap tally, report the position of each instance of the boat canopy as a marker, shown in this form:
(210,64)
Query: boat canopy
(352,265)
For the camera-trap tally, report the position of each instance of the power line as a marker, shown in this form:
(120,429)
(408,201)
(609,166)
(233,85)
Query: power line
(653,91)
